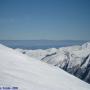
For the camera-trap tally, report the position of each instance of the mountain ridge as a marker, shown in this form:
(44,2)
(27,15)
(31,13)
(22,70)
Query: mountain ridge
(25,73)
(73,59)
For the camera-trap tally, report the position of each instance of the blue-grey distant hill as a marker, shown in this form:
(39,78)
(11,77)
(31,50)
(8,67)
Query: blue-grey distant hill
(40,44)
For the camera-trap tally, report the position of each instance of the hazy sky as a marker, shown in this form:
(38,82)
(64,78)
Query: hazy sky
(45,19)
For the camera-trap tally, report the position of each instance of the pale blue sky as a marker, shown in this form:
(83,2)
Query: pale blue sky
(45,19)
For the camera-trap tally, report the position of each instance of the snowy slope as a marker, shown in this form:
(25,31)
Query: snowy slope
(27,73)
(73,59)
(38,53)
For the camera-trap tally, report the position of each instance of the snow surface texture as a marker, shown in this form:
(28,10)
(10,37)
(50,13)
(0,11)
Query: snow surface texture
(26,73)
(73,59)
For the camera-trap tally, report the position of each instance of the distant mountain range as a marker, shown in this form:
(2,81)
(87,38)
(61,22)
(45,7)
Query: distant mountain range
(40,44)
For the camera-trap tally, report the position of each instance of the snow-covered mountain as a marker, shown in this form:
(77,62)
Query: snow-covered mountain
(26,73)
(73,59)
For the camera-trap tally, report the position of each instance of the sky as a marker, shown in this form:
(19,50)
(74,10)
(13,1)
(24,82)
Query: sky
(45,19)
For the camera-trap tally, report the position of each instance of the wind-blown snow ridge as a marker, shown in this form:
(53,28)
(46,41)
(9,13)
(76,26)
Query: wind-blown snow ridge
(73,59)
(27,73)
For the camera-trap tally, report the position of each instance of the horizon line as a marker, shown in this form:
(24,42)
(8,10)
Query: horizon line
(40,40)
